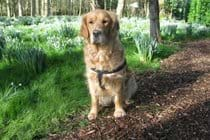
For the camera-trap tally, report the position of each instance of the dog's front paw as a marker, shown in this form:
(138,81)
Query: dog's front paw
(92,116)
(119,113)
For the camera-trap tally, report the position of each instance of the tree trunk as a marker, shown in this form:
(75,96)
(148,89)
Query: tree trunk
(33,7)
(45,7)
(146,8)
(120,6)
(8,8)
(28,9)
(66,11)
(60,7)
(48,8)
(20,8)
(154,20)
(69,7)
(105,7)
(80,7)
(14,9)
(38,9)
(110,5)
(1,4)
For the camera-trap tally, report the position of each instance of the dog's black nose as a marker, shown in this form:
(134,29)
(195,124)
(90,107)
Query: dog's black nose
(96,33)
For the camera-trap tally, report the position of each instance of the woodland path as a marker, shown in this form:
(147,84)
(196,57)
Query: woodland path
(172,103)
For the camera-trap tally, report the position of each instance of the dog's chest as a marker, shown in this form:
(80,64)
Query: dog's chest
(100,56)
(100,59)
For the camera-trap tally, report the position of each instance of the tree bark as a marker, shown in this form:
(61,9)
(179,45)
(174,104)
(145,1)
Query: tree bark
(154,20)
(20,8)
(59,7)
(43,7)
(14,9)
(120,6)
(46,7)
(80,7)
(1,5)
(38,9)
(8,8)
(66,3)
(69,7)
(146,8)
(33,7)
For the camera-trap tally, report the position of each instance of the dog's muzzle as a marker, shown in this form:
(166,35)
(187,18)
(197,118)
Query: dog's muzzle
(98,37)
(97,33)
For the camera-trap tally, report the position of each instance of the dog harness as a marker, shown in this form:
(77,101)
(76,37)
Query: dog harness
(100,73)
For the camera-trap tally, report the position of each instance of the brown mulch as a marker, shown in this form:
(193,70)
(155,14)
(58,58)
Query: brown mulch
(173,103)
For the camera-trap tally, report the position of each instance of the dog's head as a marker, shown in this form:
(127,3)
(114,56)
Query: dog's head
(99,26)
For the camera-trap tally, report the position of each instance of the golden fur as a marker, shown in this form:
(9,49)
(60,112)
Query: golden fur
(103,51)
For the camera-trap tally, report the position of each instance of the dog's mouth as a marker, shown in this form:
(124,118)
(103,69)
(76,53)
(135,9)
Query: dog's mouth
(96,40)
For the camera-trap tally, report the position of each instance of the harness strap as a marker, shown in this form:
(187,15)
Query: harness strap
(100,73)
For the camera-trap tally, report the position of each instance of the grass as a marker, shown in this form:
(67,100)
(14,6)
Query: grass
(134,63)
(33,104)
(36,107)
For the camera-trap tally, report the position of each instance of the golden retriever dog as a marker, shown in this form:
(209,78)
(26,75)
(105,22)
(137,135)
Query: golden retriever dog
(108,79)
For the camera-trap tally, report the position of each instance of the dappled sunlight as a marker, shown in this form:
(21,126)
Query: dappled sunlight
(43,89)
(168,104)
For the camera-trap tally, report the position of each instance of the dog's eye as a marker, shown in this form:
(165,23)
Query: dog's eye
(104,21)
(90,22)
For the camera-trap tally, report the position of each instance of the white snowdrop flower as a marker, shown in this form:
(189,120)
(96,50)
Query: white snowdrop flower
(12,84)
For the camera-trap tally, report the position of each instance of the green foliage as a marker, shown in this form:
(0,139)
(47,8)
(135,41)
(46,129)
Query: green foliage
(2,44)
(14,34)
(199,11)
(168,31)
(207,19)
(133,58)
(25,20)
(145,47)
(3,18)
(182,31)
(35,111)
(189,30)
(64,39)
(67,31)
(32,59)
(177,8)
(164,51)
(41,80)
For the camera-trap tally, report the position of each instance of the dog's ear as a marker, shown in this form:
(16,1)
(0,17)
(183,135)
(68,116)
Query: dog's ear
(115,23)
(84,29)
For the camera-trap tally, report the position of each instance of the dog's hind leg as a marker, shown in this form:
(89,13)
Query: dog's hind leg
(131,88)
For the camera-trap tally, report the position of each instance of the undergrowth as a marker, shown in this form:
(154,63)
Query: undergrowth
(36,97)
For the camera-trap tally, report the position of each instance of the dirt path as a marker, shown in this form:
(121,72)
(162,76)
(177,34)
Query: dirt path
(173,103)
